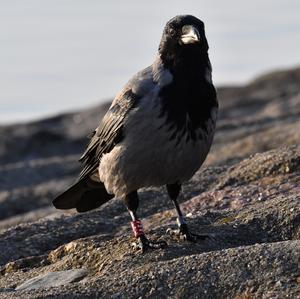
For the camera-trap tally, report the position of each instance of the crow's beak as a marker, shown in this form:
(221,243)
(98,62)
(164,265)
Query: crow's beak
(190,35)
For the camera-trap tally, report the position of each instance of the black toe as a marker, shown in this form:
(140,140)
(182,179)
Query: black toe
(183,233)
(145,244)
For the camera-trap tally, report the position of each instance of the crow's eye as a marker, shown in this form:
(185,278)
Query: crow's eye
(172,31)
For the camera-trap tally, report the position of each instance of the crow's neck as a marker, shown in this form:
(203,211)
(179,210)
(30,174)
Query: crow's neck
(191,94)
(191,64)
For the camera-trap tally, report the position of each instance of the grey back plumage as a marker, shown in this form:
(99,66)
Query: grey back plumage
(109,132)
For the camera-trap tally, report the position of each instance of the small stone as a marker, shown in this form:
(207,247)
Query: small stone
(5,290)
(53,279)
(116,295)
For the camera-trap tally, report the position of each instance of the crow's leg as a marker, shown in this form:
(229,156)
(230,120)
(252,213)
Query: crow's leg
(183,230)
(132,202)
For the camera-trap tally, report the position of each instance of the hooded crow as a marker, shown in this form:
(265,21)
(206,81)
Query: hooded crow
(157,131)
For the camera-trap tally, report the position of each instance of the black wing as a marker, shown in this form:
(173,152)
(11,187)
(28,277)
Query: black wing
(108,134)
(87,194)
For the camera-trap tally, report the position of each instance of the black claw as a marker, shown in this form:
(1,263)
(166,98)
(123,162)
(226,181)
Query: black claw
(184,234)
(144,244)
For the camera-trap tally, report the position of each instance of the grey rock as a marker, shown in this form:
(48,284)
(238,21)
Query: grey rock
(2,290)
(246,198)
(64,134)
(271,163)
(53,279)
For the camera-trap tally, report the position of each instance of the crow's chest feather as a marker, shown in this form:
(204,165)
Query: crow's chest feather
(187,107)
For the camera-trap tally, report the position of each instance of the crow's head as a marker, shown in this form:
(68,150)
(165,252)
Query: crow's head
(183,36)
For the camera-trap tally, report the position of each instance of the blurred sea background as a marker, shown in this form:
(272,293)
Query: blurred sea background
(63,55)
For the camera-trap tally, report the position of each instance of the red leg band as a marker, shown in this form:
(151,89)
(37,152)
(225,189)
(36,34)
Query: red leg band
(137,228)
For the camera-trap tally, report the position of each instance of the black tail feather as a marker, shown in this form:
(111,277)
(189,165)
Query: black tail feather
(93,199)
(84,195)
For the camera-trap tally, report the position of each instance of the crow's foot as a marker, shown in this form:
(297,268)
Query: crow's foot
(144,244)
(183,233)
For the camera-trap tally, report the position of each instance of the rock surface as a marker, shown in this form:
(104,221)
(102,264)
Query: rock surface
(246,198)
(53,279)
